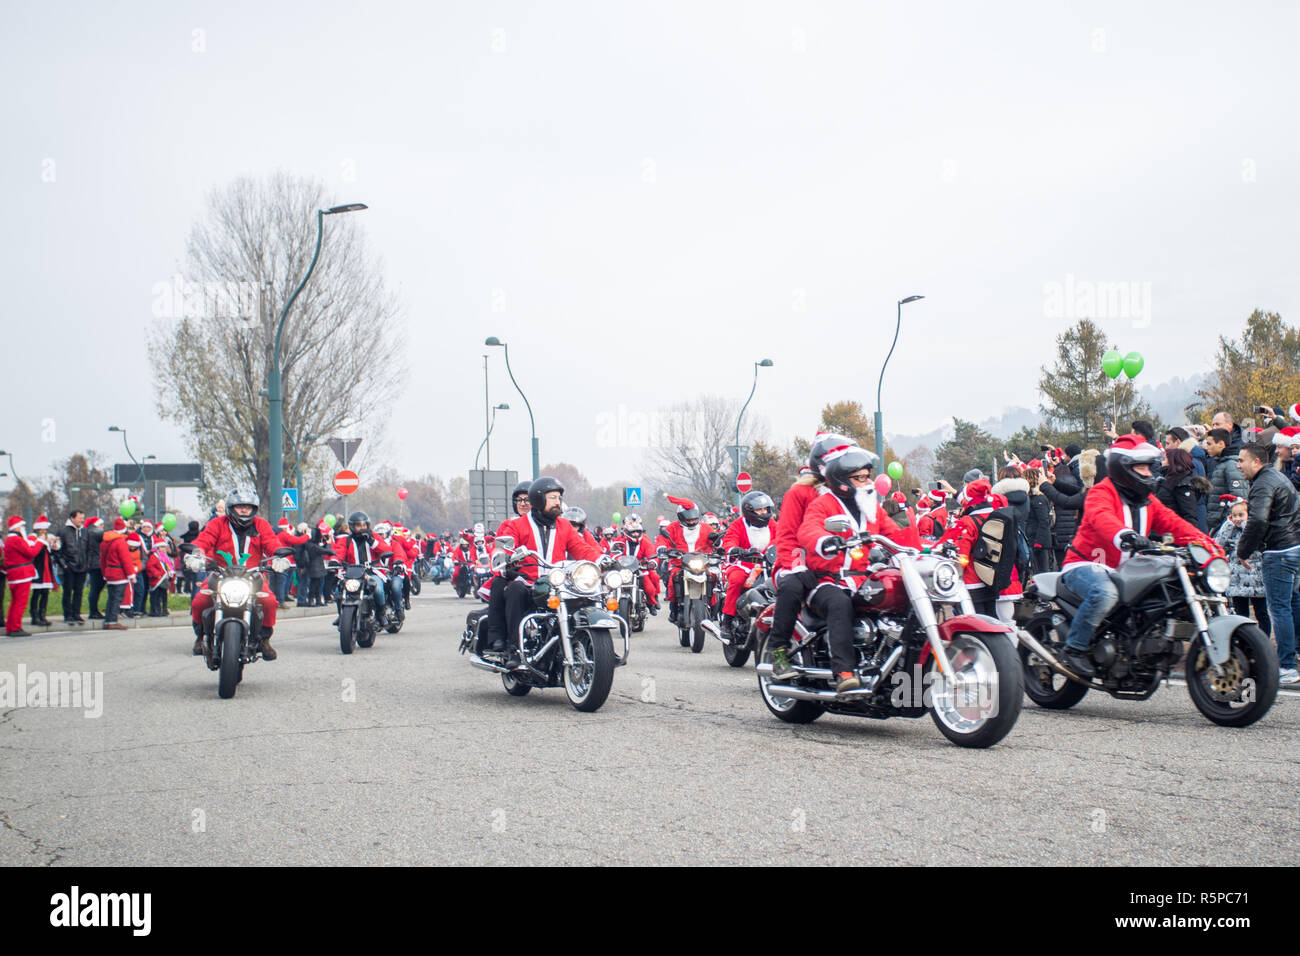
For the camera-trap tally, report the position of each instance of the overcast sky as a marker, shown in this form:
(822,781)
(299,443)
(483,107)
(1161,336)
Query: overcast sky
(643,199)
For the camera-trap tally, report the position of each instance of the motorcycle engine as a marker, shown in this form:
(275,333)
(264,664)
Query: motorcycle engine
(1105,652)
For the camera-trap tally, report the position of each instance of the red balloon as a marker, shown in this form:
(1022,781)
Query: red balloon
(884,484)
(401,493)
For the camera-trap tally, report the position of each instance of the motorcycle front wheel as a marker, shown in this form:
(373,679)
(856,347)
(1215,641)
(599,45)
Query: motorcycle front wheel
(231,646)
(737,655)
(980,701)
(415,585)
(589,680)
(348,628)
(1245,690)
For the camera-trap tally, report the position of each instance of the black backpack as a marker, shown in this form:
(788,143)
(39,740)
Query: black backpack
(995,549)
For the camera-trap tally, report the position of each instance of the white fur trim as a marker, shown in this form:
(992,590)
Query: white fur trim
(1011,484)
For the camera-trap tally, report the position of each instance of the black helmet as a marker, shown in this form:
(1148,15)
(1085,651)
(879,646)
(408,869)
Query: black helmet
(237,497)
(841,464)
(576,517)
(821,445)
(356,518)
(754,502)
(1130,450)
(520,489)
(537,493)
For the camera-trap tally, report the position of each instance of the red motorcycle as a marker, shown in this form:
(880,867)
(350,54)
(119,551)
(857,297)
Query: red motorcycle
(920,649)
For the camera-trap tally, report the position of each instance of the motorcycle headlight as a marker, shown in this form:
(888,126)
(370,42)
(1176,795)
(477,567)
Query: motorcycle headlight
(352,584)
(696,564)
(556,577)
(235,592)
(613,579)
(586,576)
(1217,575)
(945,579)
(626,575)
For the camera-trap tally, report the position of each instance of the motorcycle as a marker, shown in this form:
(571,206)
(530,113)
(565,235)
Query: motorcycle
(481,578)
(630,593)
(962,669)
(441,568)
(696,589)
(232,626)
(758,596)
(357,622)
(568,640)
(1171,601)
(407,584)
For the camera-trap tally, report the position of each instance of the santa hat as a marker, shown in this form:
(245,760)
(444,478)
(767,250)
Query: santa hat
(284,524)
(16,521)
(1134,445)
(146,523)
(663,522)
(978,490)
(1294,412)
(94,521)
(1035,463)
(41,522)
(133,540)
(683,503)
(924,503)
(1285,436)
(805,470)
(119,524)
(322,527)
(938,496)
(899,497)
(1230,500)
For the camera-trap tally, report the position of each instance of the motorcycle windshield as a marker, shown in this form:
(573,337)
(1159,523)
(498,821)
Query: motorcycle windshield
(354,572)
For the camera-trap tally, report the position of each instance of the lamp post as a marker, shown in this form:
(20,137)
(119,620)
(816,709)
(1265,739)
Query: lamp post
(27,502)
(532,426)
(273,384)
(114,428)
(880,434)
(503,407)
(150,489)
(766,363)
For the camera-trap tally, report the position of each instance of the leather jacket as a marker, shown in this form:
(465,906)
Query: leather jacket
(1274,507)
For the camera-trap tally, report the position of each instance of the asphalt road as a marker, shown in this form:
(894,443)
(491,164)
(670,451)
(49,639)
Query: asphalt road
(404,754)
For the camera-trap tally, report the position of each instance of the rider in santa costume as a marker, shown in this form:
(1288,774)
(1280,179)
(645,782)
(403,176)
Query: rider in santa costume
(637,545)
(752,531)
(688,533)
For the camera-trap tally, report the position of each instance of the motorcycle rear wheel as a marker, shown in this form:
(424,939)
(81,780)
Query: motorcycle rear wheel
(990,661)
(514,686)
(786,708)
(1044,686)
(231,647)
(1251,657)
(347,628)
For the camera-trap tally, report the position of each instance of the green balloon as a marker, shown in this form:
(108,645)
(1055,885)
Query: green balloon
(126,509)
(169,521)
(895,470)
(330,520)
(1133,364)
(1112,363)
(617,516)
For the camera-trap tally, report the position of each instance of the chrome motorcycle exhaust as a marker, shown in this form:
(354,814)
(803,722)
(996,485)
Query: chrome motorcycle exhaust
(821,696)
(481,664)
(1049,659)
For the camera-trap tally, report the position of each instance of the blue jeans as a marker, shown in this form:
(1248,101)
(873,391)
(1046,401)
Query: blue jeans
(1279,570)
(1094,586)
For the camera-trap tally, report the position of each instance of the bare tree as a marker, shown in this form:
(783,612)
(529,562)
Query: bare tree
(341,354)
(690,457)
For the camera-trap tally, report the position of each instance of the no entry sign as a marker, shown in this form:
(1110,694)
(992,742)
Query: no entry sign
(744,482)
(346,482)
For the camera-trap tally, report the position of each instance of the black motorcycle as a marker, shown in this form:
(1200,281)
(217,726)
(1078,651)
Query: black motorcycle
(568,639)
(753,601)
(232,626)
(357,623)
(695,588)
(1171,602)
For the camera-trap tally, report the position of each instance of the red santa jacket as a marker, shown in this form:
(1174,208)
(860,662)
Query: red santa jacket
(565,542)
(813,530)
(158,567)
(20,556)
(348,552)
(676,535)
(290,540)
(115,558)
(739,534)
(933,523)
(260,543)
(1106,517)
(789,556)
(639,549)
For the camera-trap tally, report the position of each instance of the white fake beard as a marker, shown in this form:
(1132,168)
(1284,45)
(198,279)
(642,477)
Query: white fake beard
(867,502)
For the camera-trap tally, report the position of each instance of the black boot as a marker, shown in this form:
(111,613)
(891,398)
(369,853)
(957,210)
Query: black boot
(268,652)
(1078,662)
(199,649)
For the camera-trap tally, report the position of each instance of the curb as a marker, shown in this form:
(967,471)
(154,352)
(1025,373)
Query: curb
(173,619)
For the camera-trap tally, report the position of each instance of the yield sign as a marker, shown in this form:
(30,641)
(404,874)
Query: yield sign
(346,482)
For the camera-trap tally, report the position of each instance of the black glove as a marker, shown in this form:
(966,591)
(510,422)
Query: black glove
(510,573)
(831,544)
(1132,541)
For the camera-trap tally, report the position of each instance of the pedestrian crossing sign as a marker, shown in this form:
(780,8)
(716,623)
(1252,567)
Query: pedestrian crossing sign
(289,500)
(631,497)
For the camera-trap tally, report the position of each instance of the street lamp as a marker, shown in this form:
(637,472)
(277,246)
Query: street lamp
(27,501)
(766,363)
(273,393)
(880,434)
(114,428)
(503,407)
(494,341)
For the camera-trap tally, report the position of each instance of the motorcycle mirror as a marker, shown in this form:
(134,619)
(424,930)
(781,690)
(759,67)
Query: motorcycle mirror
(878,555)
(661,550)
(505,541)
(283,552)
(837,523)
(500,560)
(770,553)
